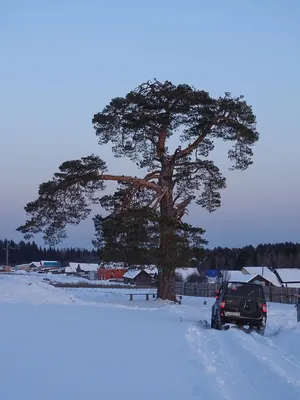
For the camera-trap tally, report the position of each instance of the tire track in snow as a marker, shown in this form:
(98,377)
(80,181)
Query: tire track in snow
(288,340)
(280,369)
(280,350)
(234,365)
(225,368)
(206,357)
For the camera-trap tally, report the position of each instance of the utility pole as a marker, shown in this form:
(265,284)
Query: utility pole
(7,248)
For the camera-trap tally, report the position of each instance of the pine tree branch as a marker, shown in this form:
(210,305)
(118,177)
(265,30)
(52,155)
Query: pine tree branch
(189,149)
(144,182)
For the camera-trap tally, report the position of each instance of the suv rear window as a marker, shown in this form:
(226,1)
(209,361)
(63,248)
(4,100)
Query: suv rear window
(236,289)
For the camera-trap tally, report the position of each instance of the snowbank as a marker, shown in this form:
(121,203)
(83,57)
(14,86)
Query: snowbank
(94,343)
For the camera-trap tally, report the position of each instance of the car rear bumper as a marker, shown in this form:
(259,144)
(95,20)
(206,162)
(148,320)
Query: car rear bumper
(243,320)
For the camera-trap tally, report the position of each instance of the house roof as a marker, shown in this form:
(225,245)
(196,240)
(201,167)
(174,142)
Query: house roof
(238,276)
(35,263)
(111,265)
(47,263)
(133,273)
(265,273)
(289,275)
(72,267)
(295,285)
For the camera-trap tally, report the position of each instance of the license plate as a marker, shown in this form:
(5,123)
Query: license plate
(232,314)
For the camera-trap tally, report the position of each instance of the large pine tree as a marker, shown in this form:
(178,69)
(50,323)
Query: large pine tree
(140,127)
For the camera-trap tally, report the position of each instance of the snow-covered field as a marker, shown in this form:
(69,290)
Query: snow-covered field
(86,344)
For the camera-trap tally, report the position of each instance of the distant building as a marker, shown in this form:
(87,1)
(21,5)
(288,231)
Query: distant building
(110,273)
(81,268)
(49,264)
(240,276)
(5,268)
(288,277)
(267,276)
(32,266)
(137,277)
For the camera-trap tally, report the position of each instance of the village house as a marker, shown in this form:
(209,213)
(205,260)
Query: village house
(38,266)
(137,277)
(5,268)
(256,277)
(263,275)
(81,268)
(32,266)
(288,277)
(110,273)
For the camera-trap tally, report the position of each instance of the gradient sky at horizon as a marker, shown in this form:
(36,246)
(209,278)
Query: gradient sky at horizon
(62,61)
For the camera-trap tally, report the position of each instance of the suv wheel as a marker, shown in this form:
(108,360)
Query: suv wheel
(213,324)
(216,325)
(261,330)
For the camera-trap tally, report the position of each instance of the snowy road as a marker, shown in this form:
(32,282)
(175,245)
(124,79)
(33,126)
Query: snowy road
(80,344)
(236,365)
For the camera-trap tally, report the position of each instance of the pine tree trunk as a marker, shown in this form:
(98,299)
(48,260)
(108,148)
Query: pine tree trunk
(166,273)
(166,284)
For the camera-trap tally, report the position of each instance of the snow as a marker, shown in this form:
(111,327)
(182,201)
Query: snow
(72,267)
(94,343)
(132,273)
(265,272)
(184,272)
(291,275)
(35,263)
(238,276)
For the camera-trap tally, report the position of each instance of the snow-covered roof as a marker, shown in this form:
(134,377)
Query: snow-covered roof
(291,275)
(255,270)
(112,265)
(35,263)
(295,285)
(265,273)
(72,267)
(239,276)
(132,273)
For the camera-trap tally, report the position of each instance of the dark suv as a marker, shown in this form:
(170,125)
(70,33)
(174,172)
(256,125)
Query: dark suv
(240,304)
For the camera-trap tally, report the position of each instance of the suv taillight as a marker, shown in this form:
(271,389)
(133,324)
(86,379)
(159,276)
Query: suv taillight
(222,304)
(217,294)
(264,308)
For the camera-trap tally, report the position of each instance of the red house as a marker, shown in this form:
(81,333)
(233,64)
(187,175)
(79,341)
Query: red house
(106,274)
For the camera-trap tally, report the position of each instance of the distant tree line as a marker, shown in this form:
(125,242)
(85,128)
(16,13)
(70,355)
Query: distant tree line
(24,252)
(271,255)
(276,255)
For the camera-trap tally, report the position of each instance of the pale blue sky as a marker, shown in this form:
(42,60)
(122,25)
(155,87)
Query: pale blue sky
(62,61)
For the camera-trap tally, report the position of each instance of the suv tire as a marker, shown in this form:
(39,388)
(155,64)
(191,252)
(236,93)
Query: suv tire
(216,325)
(261,329)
